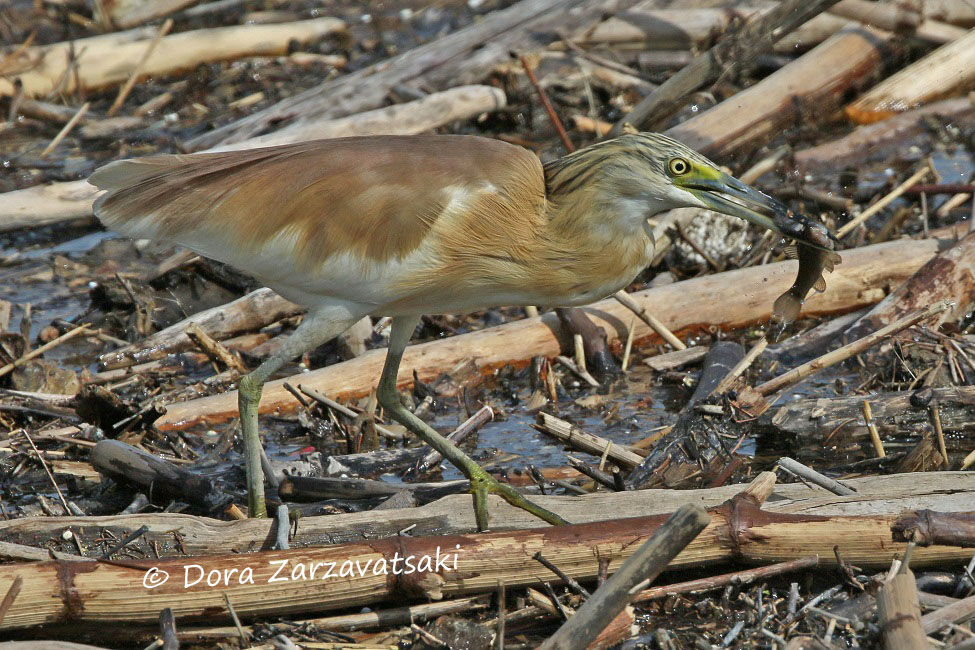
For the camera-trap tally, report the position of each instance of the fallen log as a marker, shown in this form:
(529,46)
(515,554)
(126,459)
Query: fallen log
(344,575)
(817,80)
(417,116)
(948,70)
(464,56)
(681,306)
(947,276)
(873,141)
(893,413)
(57,202)
(110,59)
(889,495)
(253,311)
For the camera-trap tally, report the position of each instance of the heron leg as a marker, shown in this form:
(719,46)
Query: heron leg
(482,483)
(317,328)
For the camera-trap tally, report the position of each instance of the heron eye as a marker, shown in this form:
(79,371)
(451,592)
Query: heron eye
(679,167)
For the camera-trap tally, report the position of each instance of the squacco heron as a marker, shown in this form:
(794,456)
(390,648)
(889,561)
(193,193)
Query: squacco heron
(407,225)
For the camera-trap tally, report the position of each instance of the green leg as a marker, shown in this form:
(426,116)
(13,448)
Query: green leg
(316,329)
(482,483)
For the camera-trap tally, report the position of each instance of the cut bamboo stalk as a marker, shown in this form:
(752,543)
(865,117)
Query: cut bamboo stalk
(948,70)
(107,60)
(681,306)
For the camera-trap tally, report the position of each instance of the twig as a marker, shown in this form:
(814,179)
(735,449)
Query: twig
(65,130)
(47,469)
(44,348)
(137,70)
(884,202)
(643,566)
(938,431)
(806,370)
(214,349)
(628,348)
(576,437)
(483,415)
(735,578)
(576,370)
(567,579)
(556,122)
(627,301)
(128,539)
(878,444)
(344,410)
(798,469)
(233,614)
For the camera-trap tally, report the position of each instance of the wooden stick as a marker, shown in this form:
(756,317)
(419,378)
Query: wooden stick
(47,469)
(137,70)
(640,568)
(44,348)
(884,202)
(938,431)
(725,385)
(65,130)
(576,437)
(798,469)
(643,314)
(878,444)
(735,578)
(806,370)
(213,349)
(556,122)
(957,612)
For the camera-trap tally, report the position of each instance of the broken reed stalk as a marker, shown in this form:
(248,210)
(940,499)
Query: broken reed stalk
(878,444)
(884,202)
(727,57)
(214,350)
(736,578)
(806,370)
(44,348)
(627,301)
(639,569)
(47,469)
(137,70)
(938,431)
(725,384)
(483,415)
(899,612)
(345,410)
(65,130)
(549,109)
(576,437)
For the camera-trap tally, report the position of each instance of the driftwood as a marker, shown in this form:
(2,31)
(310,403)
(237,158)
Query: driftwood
(893,413)
(946,71)
(298,580)
(110,59)
(819,79)
(865,143)
(949,11)
(681,306)
(253,311)
(899,613)
(314,488)
(947,276)
(399,119)
(927,527)
(133,465)
(643,566)
(464,56)
(688,441)
(129,13)
(727,57)
(890,495)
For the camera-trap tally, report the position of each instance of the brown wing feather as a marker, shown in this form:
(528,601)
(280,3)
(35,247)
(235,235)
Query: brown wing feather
(377,197)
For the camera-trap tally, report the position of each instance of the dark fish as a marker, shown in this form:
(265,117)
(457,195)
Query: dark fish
(813,260)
